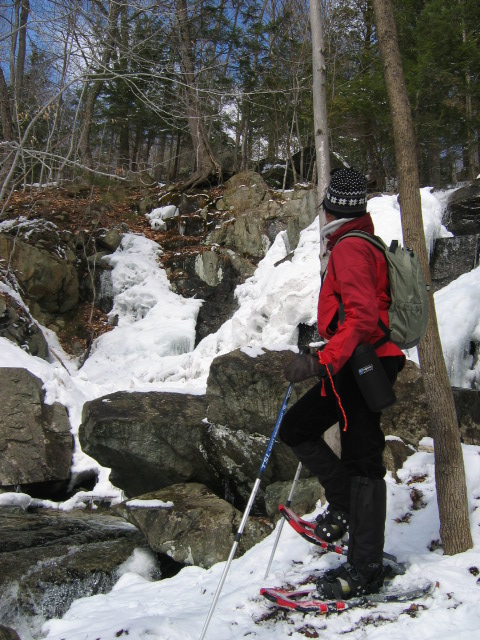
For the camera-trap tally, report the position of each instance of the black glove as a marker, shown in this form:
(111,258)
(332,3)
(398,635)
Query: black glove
(303,367)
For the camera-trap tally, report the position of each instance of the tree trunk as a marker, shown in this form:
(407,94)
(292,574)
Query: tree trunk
(206,164)
(22,48)
(320,99)
(87,117)
(322,155)
(7,153)
(320,119)
(93,91)
(10,100)
(449,468)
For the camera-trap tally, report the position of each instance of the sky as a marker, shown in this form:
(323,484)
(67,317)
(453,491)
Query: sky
(152,349)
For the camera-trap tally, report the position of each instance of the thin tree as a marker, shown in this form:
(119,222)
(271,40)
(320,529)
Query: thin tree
(319,99)
(322,154)
(449,467)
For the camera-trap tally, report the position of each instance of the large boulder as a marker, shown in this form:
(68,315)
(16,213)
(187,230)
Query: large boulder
(244,191)
(245,392)
(35,439)
(463,210)
(236,457)
(410,421)
(46,273)
(150,440)
(308,494)
(153,440)
(244,397)
(191,524)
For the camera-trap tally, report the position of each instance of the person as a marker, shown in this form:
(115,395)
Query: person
(354,297)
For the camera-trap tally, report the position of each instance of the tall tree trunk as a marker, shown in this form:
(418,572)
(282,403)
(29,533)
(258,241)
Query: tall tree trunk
(469,121)
(322,154)
(206,164)
(10,100)
(87,117)
(94,89)
(7,153)
(320,99)
(22,48)
(449,468)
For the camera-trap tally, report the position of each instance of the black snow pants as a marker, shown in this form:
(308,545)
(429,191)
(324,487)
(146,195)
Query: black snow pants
(353,483)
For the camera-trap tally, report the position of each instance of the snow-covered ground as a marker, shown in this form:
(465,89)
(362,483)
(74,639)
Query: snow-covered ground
(151,349)
(177,608)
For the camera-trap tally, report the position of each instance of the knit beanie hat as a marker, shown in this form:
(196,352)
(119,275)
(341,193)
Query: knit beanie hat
(346,194)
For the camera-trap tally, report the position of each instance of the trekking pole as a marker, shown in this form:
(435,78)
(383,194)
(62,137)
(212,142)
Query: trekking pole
(282,520)
(261,471)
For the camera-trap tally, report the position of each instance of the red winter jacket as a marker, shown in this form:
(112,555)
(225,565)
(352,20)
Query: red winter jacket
(357,275)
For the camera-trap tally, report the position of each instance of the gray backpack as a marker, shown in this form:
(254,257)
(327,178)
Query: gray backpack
(408,312)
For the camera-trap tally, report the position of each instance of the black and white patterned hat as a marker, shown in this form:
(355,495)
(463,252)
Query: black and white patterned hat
(346,194)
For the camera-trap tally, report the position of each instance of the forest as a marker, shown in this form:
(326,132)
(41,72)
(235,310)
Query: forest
(194,91)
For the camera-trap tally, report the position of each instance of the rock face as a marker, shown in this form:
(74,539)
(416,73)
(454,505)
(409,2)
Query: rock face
(463,210)
(453,257)
(244,396)
(467,405)
(48,279)
(48,559)
(257,216)
(150,440)
(410,420)
(406,419)
(212,276)
(35,438)
(193,525)
(18,326)
(245,392)
(308,493)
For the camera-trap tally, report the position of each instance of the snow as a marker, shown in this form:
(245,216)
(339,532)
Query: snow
(151,348)
(177,608)
(158,216)
(149,504)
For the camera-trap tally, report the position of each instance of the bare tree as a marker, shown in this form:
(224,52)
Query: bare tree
(322,155)
(320,98)
(111,14)
(206,164)
(10,100)
(7,129)
(449,468)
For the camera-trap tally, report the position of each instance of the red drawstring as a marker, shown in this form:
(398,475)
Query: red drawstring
(334,390)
